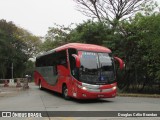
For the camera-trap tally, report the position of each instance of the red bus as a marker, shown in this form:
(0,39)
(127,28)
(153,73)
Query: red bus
(82,71)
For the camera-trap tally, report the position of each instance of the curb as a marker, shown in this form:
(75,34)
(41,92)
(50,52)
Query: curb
(138,95)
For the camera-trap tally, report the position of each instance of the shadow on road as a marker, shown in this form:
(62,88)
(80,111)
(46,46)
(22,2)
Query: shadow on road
(90,101)
(93,101)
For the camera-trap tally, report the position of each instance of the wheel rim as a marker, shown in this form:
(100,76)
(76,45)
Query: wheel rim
(66,92)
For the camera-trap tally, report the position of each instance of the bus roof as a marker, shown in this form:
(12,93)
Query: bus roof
(79,46)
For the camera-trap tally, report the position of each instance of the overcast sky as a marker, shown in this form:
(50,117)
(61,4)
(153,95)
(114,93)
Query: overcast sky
(37,15)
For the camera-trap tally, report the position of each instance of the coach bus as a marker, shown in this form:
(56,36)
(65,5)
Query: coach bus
(82,71)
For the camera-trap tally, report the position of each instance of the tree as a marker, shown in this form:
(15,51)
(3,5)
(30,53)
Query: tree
(141,53)
(30,67)
(8,43)
(91,33)
(17,46)
(110,11)
(31,41)
(56,36)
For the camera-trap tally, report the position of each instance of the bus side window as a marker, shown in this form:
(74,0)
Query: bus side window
(74,70)
(62,58)
(55,70)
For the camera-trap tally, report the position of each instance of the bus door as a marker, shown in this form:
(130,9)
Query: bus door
(74,71)
(63,69)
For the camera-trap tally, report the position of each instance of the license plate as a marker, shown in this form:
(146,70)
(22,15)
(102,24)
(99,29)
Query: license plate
(100,95)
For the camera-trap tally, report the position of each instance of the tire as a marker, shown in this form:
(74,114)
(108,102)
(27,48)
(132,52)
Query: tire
(65,92)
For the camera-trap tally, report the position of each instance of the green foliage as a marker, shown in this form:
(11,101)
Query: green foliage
(87,32)
(149,8)
(16,47)
(141,49)
(30,67)
(32,42)
(90,32)
(56,36)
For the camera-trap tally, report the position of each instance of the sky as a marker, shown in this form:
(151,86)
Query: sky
(37,15)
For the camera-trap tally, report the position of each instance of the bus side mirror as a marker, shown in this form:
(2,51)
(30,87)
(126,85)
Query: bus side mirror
(78,64)
(121,63)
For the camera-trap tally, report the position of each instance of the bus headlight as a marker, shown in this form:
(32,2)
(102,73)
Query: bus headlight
(114,88)
(84,88)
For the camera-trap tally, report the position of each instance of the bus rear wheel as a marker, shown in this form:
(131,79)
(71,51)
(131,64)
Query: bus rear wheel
(65,92)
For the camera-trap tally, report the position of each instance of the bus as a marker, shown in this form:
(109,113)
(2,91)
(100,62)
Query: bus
(76,70)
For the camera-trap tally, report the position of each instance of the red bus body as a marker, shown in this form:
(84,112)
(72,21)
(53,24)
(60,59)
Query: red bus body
(63,77)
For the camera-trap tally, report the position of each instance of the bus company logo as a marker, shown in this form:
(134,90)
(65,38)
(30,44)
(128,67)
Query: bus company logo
(21,114)
(6,114)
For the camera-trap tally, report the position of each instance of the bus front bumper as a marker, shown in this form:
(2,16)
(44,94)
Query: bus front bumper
(95,94)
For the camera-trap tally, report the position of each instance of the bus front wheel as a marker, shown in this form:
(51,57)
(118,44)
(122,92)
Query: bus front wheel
(65,92)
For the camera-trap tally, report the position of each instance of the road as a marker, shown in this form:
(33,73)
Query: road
(34,99)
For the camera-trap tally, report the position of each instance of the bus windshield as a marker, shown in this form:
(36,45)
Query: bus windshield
(96,68)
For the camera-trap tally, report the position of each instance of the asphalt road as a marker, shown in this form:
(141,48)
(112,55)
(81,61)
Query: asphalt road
(34,99)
